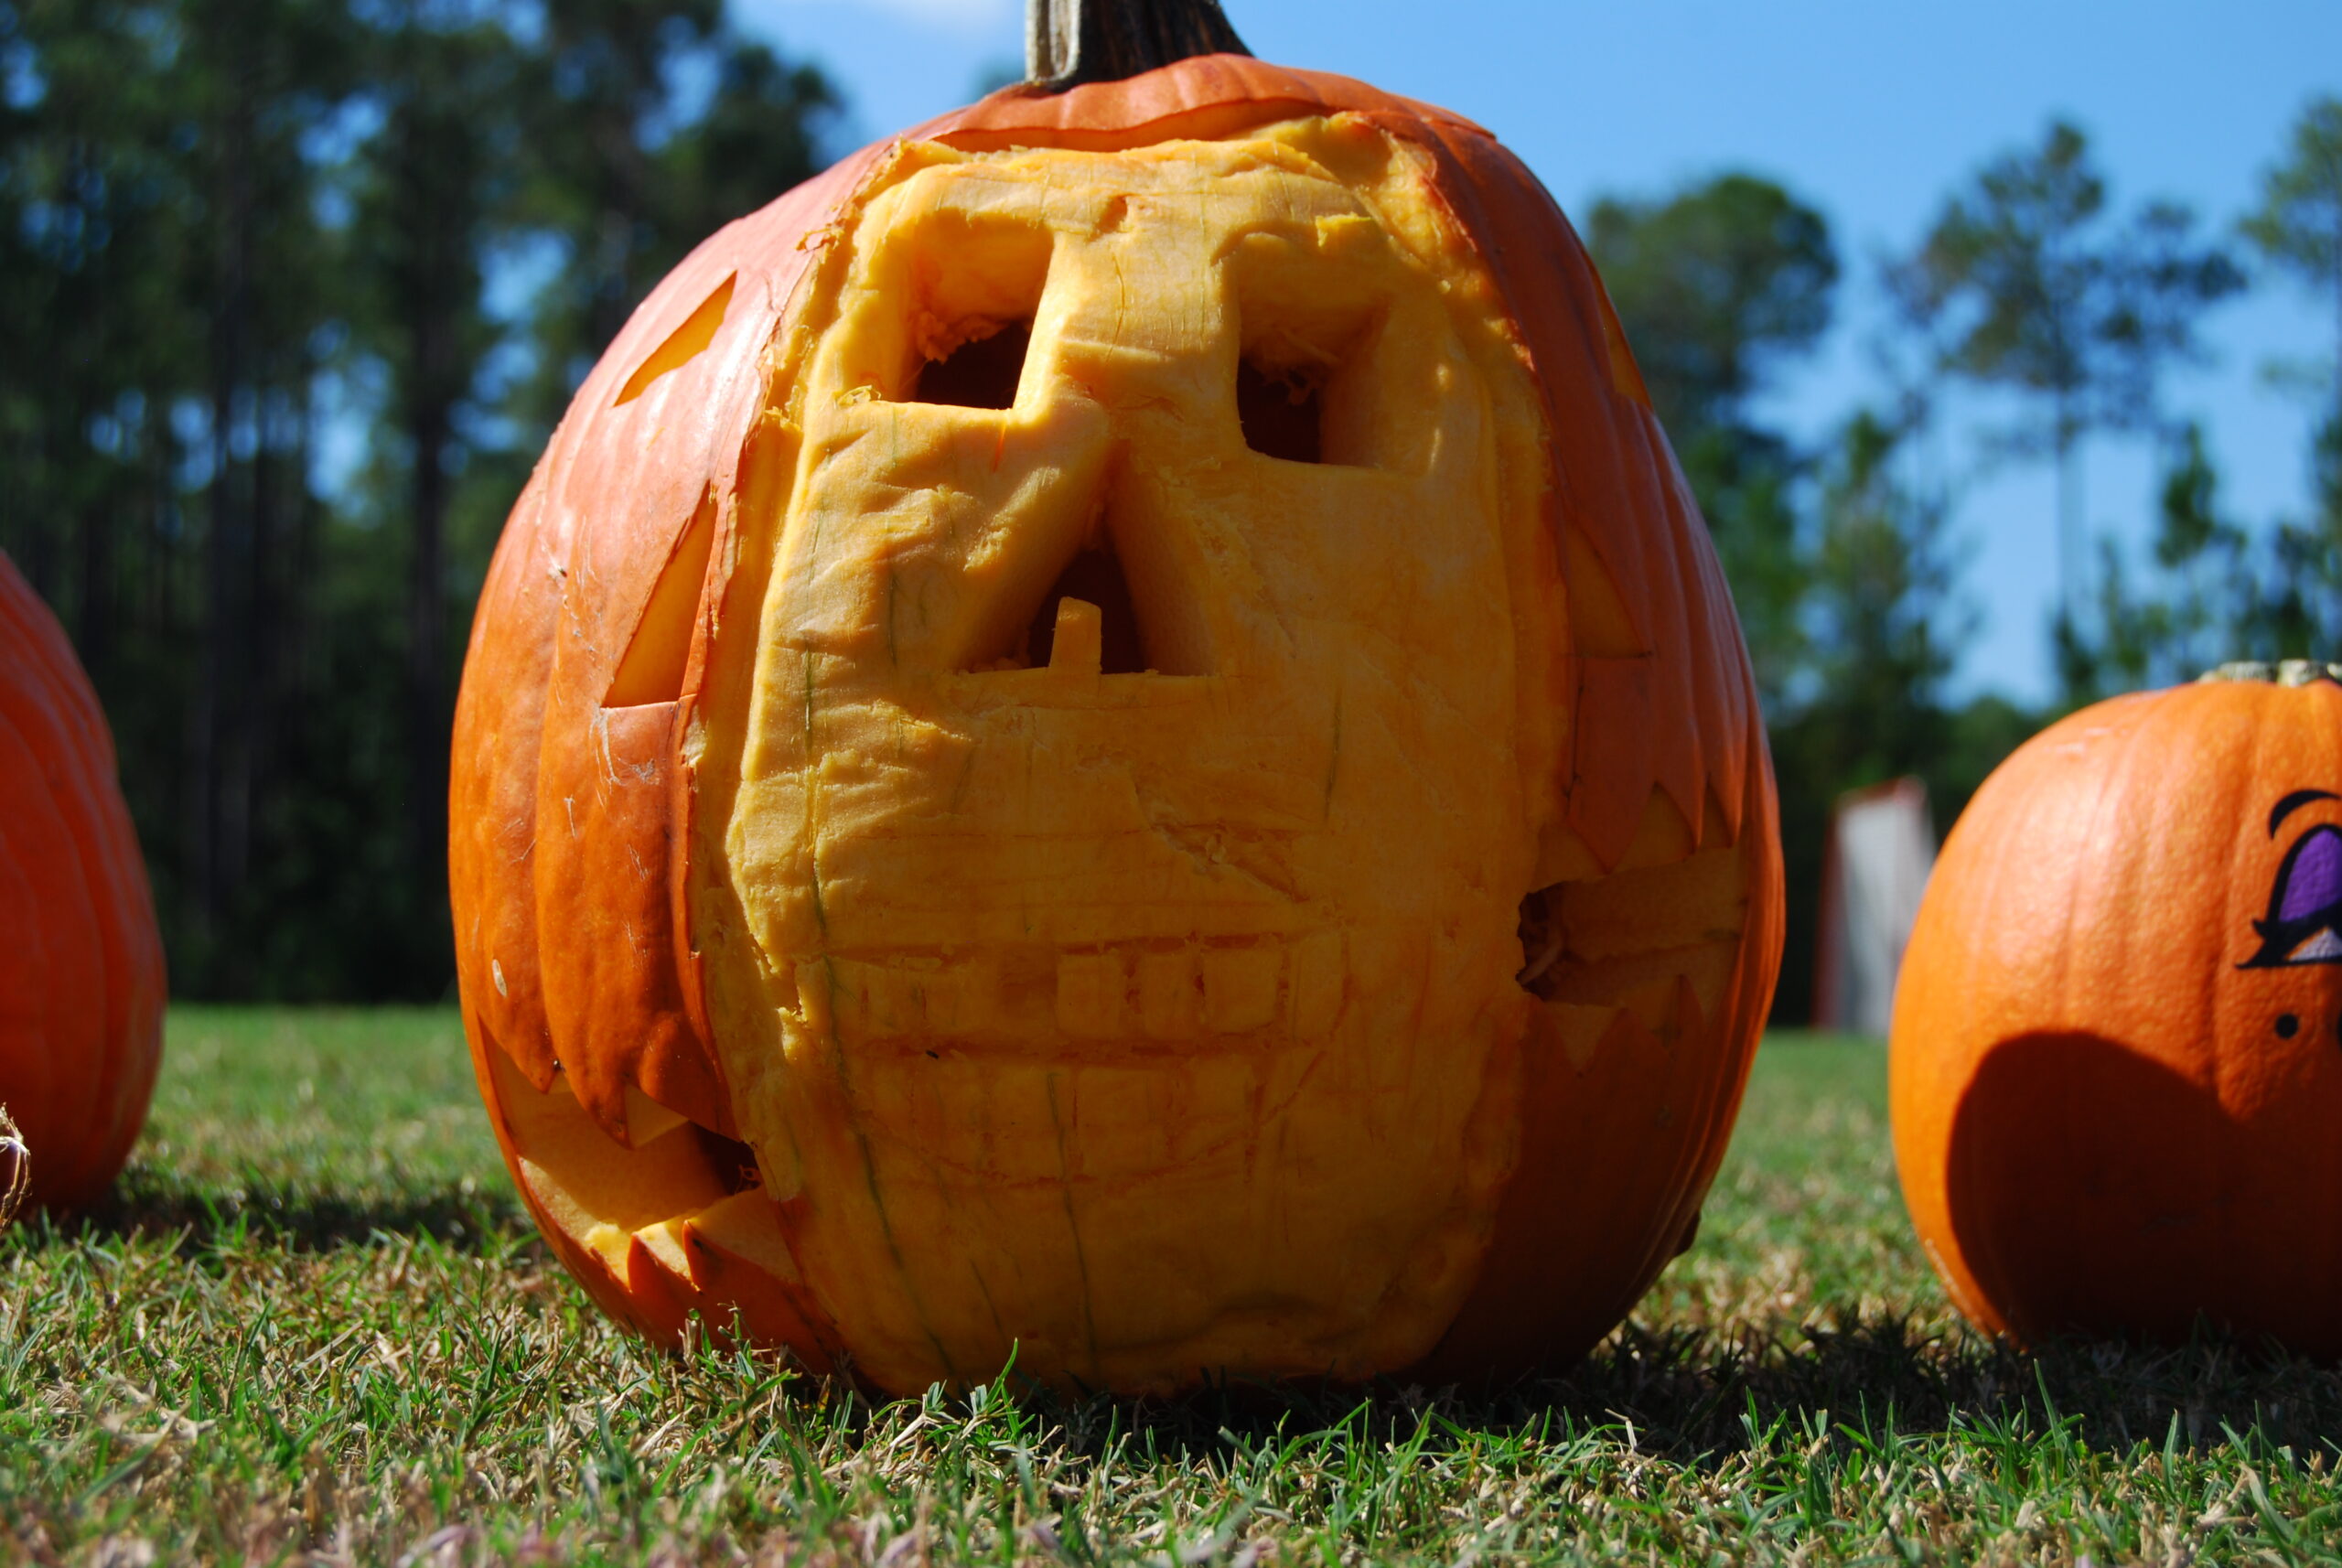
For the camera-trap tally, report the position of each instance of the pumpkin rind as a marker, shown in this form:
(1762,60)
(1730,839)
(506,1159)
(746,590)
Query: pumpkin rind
(2107,1117)
(585,940)
(81,986)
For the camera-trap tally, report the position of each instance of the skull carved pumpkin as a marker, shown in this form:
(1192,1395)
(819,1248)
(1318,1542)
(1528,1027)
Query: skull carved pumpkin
(1108,732)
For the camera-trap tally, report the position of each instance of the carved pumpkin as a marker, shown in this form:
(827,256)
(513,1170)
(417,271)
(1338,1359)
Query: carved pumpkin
(1109,731)
(80,963)
(2117,1049)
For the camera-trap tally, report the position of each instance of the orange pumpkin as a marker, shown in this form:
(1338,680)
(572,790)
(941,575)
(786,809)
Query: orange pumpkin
(1109,731)
(2117,1047)
(80,963)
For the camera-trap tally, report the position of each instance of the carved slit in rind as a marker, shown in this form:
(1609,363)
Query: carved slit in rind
(651,671)
(1542,938)
(685,344)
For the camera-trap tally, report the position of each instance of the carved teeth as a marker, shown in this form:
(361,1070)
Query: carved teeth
(1123,992)
(1090,994)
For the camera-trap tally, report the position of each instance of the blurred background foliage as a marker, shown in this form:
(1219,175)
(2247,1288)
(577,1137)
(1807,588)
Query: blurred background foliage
(295,289)
(295,292)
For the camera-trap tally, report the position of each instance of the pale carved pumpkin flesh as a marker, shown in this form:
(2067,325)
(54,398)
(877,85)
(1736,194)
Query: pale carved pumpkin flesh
(1125,851)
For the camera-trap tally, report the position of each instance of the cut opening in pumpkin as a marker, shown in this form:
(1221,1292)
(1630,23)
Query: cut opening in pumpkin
(1305,377)
(603,1194)
(982,373)
(734,1162)
(1130,602)
(685,344)
(1542,938)
(652,668)
(1094,577)
(1282,414)
(974,284)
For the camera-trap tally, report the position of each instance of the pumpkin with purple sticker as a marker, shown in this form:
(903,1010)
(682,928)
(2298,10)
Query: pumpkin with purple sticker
(2116,1070)
(1108,735)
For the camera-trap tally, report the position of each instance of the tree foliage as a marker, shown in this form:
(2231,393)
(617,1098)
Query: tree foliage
(1838,558)
(2217,589)
(2298,224)
(295,289)
(2048,295)
(1720,288)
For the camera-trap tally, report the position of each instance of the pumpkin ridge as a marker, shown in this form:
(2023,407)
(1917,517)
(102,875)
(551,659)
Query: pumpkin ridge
(71,851)
(720,971)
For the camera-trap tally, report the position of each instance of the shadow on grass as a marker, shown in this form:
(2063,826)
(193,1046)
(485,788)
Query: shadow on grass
(1689,1397)
(200,1222)
(1687,1394)
(1684,1394)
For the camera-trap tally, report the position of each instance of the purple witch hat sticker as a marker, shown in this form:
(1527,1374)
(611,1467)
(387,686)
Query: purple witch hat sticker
(2305,920)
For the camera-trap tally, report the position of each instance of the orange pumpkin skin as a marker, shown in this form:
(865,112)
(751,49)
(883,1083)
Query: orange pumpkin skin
(2116,1070)
(81,986)
(615,634)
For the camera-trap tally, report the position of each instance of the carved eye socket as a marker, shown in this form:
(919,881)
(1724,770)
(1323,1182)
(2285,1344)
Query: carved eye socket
(1305,381)
(974,283)
(982,373)
(1283,416)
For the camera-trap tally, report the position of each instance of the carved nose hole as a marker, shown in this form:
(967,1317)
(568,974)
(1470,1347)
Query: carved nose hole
(1282,413)
(1095,577)
(982,373)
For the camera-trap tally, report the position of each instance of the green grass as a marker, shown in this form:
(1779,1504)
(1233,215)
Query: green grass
(315,1326)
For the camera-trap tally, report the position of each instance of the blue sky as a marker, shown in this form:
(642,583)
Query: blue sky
(1870,112)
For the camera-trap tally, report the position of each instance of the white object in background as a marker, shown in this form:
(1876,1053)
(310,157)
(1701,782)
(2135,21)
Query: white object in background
(1881,847)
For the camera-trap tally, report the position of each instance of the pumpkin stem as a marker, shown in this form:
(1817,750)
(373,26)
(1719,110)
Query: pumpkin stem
(15,1168)
(1070,42)
(2288,672)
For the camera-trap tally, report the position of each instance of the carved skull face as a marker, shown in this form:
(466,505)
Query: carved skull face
(1133,806)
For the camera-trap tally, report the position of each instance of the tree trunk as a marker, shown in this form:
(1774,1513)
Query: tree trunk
(2070,526)
(435,289)
(93,637)
(429,424)
(216,776)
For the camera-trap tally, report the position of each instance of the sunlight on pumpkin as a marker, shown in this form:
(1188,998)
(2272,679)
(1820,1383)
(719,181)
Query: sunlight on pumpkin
(683,345)
(675,1223)
(652,669)
(1060,956)
(1121,803)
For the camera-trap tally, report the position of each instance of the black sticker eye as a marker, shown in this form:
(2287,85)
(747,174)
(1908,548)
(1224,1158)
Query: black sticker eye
(2288,1025)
